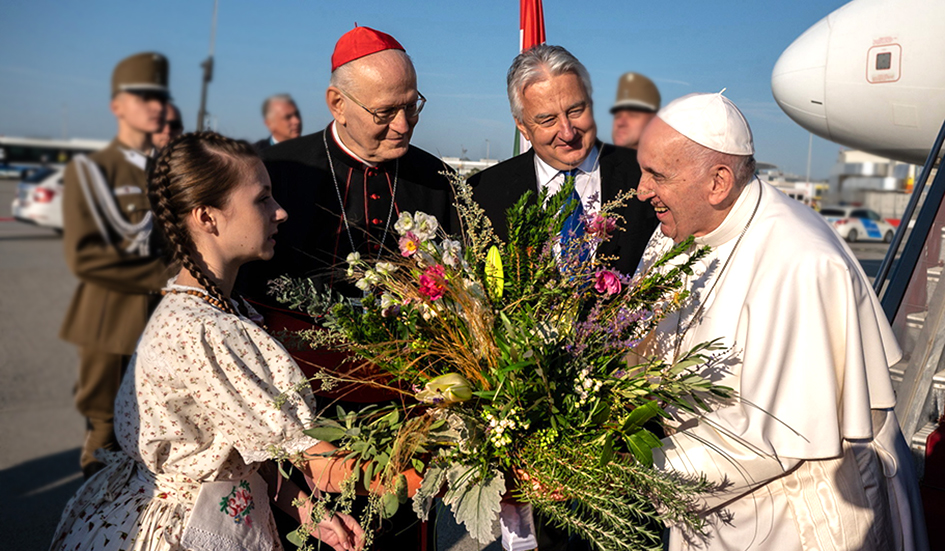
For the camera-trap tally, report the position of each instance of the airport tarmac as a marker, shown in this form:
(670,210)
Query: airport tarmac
(40,432)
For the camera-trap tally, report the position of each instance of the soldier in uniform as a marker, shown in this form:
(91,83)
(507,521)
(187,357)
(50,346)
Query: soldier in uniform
(106,237)
(638,100)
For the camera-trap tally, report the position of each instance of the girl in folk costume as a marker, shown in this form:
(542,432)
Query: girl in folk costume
(196,416)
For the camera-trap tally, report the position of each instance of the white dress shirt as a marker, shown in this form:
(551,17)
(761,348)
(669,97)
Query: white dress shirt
(586,182)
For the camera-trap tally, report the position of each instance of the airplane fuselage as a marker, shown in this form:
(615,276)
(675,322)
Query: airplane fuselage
(871,76)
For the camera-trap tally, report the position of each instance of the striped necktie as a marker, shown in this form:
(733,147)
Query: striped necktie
(573,227)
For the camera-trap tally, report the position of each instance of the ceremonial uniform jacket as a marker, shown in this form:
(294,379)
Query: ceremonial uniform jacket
(809,455)
(497,188)
(117,290)
(315,241)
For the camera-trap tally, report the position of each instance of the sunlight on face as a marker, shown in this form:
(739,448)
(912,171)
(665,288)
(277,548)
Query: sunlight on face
(558,119)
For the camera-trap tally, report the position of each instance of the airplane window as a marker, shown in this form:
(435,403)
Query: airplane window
(883,61)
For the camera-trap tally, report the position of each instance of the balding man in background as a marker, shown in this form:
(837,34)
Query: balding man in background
(637,102)
(281,116)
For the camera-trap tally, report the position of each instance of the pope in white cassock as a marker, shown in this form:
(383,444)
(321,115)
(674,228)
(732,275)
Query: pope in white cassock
(809,455)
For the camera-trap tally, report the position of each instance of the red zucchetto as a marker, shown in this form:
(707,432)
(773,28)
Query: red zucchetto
(359,42)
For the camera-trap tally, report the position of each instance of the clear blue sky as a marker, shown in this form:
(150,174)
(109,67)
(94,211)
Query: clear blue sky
(58,57)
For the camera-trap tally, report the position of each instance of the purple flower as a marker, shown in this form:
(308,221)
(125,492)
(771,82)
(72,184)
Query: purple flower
(607,283)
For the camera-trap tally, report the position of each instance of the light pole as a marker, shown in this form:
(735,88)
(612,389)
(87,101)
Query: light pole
(207,71)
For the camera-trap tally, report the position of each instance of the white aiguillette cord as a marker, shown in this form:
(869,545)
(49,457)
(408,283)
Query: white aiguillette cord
(341,201)
(705,297)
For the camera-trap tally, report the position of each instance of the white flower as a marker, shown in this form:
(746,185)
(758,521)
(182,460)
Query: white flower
(370,279)
(388,300)
(404,224)
(452,253)
(425,226)
(426,311)
(353,258)
(385,268)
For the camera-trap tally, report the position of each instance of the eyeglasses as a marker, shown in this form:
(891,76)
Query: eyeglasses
(387,114)
(174,125)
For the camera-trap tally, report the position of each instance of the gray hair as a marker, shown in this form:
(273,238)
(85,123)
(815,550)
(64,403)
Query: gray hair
(540,63)
(743,166)
(276,97)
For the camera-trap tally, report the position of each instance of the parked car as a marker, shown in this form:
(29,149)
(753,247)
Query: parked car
(858,224)
(39,198)
(10,171)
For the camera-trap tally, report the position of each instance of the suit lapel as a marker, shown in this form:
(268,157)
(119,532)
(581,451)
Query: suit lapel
(608,167)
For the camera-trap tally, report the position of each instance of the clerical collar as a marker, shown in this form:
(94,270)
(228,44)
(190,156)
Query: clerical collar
(736,218)
(352,154)
(546,173)
(134,156)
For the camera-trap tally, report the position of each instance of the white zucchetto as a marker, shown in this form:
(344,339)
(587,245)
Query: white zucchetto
(712,121)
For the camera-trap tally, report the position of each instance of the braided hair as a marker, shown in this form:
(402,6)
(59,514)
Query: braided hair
(198,169)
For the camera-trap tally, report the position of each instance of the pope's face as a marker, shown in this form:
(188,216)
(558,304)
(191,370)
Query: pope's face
(558,119)
(676,185)
(381,81)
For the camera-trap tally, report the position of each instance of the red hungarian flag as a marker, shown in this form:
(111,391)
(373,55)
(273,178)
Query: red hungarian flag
(531,25)
(531,33)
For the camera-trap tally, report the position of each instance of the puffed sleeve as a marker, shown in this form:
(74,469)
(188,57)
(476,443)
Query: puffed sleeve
(248,386)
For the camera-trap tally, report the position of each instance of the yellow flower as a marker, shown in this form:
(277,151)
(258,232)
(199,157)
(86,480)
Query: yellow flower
(495,278)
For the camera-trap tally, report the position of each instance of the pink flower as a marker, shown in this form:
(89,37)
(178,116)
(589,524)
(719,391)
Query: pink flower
(433,282)
(409,244)
(600,226)
(607,283)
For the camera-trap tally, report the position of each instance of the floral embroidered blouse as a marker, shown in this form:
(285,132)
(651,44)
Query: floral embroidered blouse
(206,397)
(205,383)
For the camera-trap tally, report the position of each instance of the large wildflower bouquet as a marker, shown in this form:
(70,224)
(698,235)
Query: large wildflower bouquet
(514,367)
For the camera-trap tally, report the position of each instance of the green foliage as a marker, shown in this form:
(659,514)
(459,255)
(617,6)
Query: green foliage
(618,505)
(475,500)
(517,362)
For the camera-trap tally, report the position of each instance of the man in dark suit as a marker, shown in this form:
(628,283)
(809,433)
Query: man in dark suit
(281,116)
(550,96)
